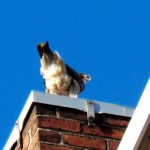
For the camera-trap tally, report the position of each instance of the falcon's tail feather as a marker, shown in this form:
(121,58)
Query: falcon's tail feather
(76,76)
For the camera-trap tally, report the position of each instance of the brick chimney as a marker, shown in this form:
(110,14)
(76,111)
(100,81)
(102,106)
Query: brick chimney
(49,122)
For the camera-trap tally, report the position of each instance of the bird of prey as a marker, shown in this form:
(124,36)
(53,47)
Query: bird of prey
(59,78)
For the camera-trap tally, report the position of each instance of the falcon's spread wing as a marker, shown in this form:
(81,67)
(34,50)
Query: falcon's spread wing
(58,77)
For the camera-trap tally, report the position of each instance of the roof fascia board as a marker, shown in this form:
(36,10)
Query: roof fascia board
(138,124)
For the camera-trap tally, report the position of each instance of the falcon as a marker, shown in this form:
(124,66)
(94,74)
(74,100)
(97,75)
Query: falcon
(59,78)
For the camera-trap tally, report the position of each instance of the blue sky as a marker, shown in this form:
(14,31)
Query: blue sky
(110,40)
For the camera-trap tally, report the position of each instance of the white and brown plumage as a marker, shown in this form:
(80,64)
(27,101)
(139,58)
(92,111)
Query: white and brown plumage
(58,77)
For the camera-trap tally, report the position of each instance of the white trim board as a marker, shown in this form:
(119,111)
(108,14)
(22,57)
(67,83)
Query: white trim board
(139,125)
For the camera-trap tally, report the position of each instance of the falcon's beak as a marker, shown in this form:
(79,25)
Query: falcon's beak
(40,45)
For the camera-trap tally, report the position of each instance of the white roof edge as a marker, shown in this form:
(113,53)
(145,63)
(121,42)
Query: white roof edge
(138,124)
(63,101)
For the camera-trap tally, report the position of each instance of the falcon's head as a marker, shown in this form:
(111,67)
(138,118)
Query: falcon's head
(42,45)
(85,77)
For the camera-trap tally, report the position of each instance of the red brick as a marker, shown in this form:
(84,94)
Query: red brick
(45,136)
(44,146)
(103,131)
(60,124)
(34,142)
(77,115)
(49,136)
(117,121)
(37,109)
(26,142)
(29,121)
(77,135)
(26,134)
(43,109)
(33,128)
(72,114)
(84,142)
(113,145)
